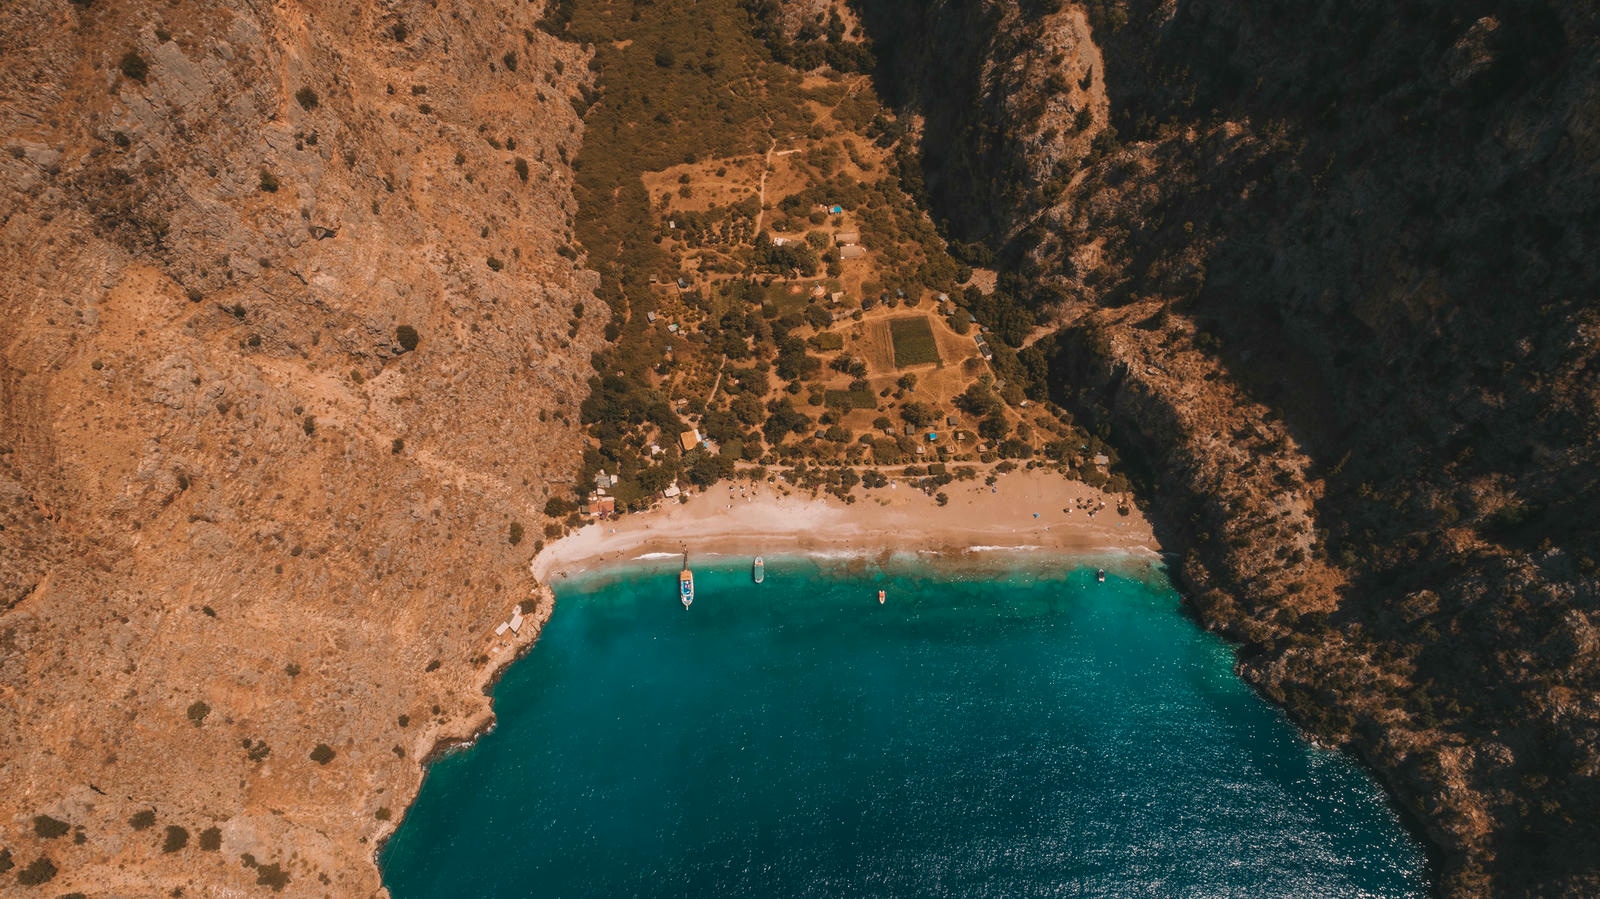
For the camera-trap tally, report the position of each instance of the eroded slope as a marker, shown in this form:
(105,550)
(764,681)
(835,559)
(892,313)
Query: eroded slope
(241,520)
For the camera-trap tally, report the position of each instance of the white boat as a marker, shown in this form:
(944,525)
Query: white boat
(686,583)
(759,570)
(882,595)
(1100,575)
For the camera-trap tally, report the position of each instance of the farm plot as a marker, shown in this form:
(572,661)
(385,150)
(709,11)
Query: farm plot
(914,343)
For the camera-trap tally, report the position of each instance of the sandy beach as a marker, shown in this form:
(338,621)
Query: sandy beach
(1024,511)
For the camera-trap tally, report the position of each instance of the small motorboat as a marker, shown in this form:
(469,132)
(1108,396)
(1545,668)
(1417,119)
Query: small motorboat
(1100,575)
(881,597)
(759,570)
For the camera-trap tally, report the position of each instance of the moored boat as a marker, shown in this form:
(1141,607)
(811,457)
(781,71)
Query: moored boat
(686,583)
(882,595)
(1100,575)
(759,570)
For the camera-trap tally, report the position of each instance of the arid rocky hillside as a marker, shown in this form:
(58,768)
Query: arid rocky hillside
(1329,275)
(290,338)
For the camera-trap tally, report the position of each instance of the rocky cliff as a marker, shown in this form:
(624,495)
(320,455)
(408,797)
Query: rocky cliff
(290,338)
(1328,273)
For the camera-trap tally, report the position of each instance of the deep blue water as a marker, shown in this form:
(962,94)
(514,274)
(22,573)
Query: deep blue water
(998,733)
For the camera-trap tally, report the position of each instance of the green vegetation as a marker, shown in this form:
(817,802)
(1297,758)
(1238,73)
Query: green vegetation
(143,820)
(48,828)
(407,337)
(322,754)
(40,870)
(197,712)
(177,838)
(914,343)
(268,182)
(307,98)
(743,321)
(272,876)
(211,839)
(134,66)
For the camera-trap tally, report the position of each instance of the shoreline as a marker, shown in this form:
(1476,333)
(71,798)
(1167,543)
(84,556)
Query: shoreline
(1032,512)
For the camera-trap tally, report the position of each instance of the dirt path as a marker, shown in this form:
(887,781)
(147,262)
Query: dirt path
(761,192)
(718,382)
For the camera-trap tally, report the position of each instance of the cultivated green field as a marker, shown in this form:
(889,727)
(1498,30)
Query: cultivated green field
(913,341)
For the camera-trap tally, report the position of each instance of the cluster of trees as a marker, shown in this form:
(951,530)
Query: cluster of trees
(783,258)
(816,43)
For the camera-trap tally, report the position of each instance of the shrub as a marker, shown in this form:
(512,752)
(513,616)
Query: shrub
(382,814)
(269,182)
(307,98)
(495,264)
(272,876)
(177,838)
(198,710)
(510,59)
(42,870)
(516,533)
(407,337)
(211,839)
(310,425)
(48,828)
(134,66)
(143,820)
(6,863)
(522,168)
(397,446)
(322,754)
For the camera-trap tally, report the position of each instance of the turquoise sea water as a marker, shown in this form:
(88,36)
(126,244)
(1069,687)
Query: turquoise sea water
(1004,732)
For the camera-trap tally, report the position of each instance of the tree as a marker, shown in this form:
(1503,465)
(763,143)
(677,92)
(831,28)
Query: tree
(515,536)
(48,828)
(978,399)
(41,870)
(995,427)
(908,381)
(917,413)
(322,754)
(747,408)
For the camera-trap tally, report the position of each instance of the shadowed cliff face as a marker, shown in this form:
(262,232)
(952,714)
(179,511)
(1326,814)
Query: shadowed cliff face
(243,512)
(1333,281)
